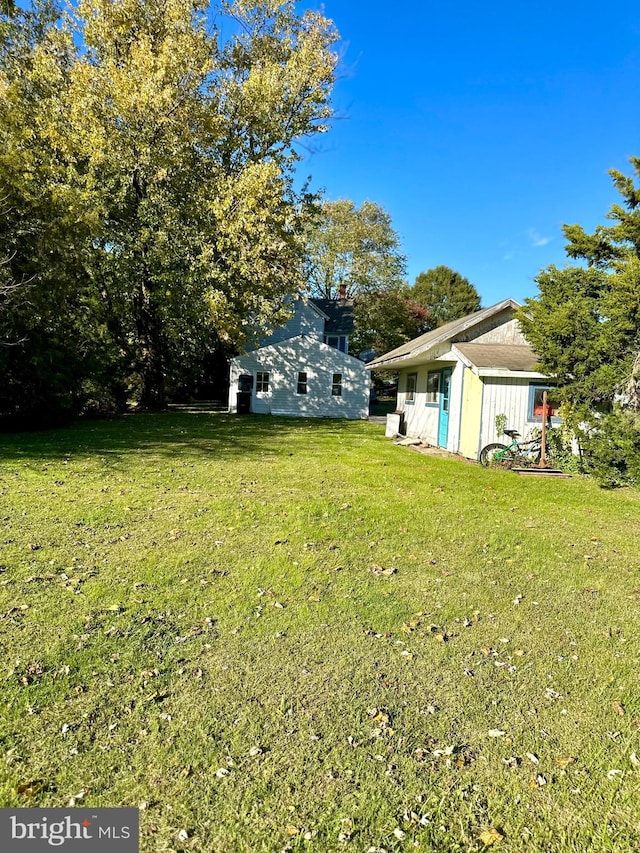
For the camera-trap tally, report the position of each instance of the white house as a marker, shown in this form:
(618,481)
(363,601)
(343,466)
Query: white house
(455,380)
(304,368)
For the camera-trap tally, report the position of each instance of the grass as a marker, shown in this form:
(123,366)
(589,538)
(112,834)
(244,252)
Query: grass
(280,635)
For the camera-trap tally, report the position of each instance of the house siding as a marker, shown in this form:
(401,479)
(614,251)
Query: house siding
(508,397)
(305,321)
(283,361)
(470,422)
(422,419)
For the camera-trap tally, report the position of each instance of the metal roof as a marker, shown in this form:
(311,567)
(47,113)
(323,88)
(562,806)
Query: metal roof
(419,345)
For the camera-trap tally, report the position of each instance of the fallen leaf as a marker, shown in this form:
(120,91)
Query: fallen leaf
(490,836)
(619,708)
(380,571)
(30,789)
(564,761)
(496,733)
(533,758)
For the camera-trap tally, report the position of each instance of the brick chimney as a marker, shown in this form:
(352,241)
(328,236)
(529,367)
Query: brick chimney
(343,291)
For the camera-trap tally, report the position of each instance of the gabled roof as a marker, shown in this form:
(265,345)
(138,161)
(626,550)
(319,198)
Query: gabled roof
(448,332)
(338,313)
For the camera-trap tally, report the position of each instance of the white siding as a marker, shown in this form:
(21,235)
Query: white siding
(422,419)
(508,397)
(284,360)
(305,321)
(508,333)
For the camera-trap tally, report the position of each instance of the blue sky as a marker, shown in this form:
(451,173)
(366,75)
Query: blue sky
(482,128)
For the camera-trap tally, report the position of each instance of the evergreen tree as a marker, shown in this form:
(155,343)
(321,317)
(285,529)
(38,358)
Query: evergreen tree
(585,327)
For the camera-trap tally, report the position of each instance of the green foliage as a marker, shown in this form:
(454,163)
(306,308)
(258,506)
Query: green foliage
(385,319)
(501,423)
(351,250)
(445,295)
(612,449)
(148,180)
(585,327)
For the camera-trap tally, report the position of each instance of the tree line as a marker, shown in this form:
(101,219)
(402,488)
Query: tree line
(151,216)
(149,209)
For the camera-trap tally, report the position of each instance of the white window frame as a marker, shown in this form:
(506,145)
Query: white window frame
(262,384)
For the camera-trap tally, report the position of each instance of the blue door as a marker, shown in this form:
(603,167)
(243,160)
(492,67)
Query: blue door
(445,389)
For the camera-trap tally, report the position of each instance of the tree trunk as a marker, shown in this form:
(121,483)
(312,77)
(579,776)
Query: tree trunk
(148,323)
(151,350)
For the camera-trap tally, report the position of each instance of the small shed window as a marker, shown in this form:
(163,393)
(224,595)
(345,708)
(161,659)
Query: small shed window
(302,382)
(336,385)
(433,387)
(412,381)
(262,382)
(535,403)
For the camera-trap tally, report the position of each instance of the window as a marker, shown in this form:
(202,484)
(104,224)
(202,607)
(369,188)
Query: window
(336,385)
(302,382)
(262,382)
(337,342)
(535,403)
(412,380)
(433,387)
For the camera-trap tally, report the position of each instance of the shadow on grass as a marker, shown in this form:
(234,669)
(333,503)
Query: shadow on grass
(174,434)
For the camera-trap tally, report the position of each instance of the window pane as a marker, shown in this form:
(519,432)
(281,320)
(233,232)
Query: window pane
(411,386)
(433,387)
(336,385)
(262,381)
(302,382)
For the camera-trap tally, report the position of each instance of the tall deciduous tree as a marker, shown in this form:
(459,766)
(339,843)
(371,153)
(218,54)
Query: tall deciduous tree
(164,132)
(351,250)
(445,295)
(50,335)
(189,148)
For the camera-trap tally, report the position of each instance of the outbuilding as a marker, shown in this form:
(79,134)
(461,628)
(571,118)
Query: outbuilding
(458,382)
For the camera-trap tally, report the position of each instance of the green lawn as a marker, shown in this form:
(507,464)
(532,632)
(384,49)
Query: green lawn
(278,635)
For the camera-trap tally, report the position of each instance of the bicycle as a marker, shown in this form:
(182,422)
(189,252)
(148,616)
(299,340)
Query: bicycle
(518,454)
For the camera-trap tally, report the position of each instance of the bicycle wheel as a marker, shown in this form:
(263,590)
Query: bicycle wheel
(489,454)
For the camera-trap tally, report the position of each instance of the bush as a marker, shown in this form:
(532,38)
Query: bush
(612,452)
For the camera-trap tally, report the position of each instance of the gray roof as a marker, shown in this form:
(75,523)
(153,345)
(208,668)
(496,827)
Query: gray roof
(443,333)
(501,356)
(339,314)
